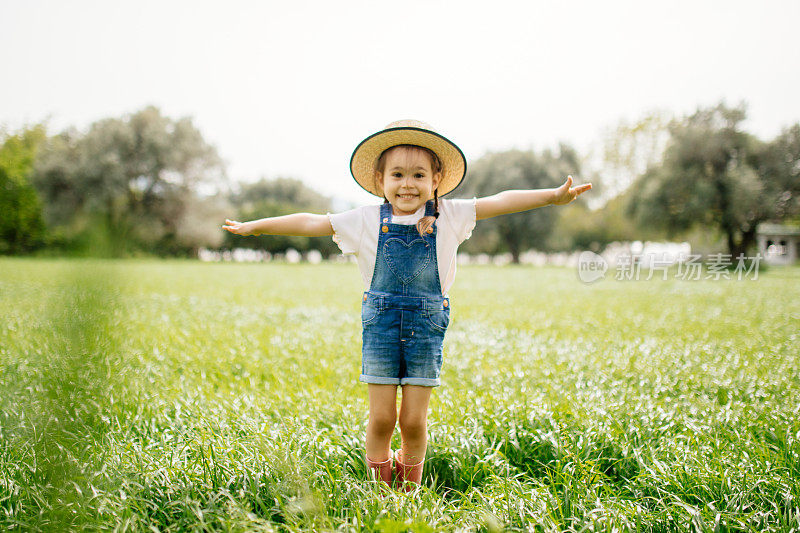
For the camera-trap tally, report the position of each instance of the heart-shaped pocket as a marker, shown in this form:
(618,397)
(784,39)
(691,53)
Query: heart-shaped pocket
(407,260)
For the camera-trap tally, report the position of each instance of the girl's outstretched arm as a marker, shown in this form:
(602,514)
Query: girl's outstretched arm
(301,224)
(514,201)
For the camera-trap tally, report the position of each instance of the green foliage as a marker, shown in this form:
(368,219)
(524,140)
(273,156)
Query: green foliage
(22,227)
(131,186)
(138,175)
(779,165)
(717,176)
(276,197)
(630,149)
(516,169)
(182,396)
(580,228)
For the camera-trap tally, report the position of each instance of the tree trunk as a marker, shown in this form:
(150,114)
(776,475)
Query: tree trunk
(740,246)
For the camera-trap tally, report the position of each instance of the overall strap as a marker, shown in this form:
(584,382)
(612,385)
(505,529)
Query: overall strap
(386,212)
(430,210)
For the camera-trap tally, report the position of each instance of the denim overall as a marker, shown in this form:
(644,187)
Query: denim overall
(403,314)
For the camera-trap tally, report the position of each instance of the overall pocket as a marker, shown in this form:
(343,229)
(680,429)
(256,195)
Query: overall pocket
(369,313)
(439,319)
(407,260)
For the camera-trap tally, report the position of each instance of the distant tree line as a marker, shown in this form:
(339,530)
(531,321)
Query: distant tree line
(139,185)
(699,177)
(145,184)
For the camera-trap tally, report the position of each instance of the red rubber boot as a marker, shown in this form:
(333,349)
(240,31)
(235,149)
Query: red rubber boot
(407,475)
(380,470)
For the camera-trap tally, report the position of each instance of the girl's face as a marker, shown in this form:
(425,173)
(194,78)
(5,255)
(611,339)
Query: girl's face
(407,181)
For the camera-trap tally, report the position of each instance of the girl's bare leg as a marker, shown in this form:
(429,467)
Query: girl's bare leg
(382,419)
(414,423)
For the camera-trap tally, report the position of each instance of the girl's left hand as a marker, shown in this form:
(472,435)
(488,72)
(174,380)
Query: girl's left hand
(564,195)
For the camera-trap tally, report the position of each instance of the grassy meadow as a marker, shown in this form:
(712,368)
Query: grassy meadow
(148,395)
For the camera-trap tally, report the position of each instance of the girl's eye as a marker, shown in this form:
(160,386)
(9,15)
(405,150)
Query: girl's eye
(397,175)
(419,175)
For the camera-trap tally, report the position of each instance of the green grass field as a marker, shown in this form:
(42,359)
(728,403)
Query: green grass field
(178,395)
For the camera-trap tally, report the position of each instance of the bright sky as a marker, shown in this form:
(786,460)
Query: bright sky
(290,88)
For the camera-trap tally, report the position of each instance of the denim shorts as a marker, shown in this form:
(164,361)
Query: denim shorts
(402,339)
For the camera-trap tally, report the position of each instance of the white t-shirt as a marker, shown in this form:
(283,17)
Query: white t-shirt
(356,233)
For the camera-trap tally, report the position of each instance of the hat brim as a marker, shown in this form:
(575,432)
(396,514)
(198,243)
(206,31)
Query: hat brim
(366,154)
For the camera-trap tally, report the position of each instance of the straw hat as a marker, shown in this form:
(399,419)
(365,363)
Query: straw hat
(366,154)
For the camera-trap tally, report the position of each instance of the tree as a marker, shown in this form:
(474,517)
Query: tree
(630,149)
(276,197)
(136,174)
(779,167)
(584,229)
(22,227)
(516,169)
(716,174)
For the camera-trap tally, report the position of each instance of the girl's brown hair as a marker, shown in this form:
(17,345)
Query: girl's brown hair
(436,165)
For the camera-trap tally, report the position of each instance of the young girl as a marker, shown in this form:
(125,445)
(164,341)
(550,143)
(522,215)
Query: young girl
(406,252)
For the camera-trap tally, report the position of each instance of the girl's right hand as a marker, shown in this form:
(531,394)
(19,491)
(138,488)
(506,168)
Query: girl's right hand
(239,228)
